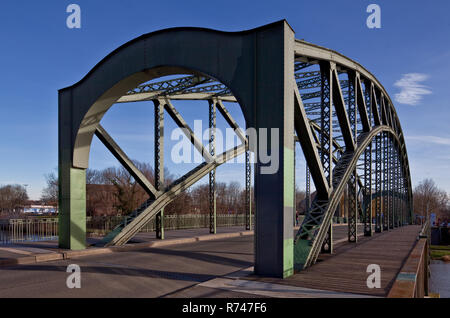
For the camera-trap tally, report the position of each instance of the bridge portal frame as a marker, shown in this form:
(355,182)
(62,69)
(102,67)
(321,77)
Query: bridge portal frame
(256,65)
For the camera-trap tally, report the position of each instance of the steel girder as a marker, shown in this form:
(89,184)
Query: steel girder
(307,189)
(248,192)
(326,139)
(126,162)
(124,232)
(380,113)
(139,218)
(378,181)
(93,96)
(212,174)
(311,237)
(352,184)
(159,162)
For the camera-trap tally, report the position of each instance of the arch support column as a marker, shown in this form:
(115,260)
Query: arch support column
(71,186)
(274,181)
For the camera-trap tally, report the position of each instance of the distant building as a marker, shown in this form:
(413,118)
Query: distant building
(35,207)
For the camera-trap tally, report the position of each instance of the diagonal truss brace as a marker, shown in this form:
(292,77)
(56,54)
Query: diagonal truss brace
(308,145)
(187,131)
(339,105)
(127,163)
(307,248)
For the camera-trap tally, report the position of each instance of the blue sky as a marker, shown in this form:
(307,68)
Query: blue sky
(40,55)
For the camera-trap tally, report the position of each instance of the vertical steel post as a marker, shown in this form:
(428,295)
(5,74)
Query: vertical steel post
(248,194)
(159,162)
(399,189)
(391,183)
(385,183)
(378,149)
(212,174)
(308,190)
(368,191)
(401,197)
(294,213)
(368,170)
(274,184)
(326,138)
(394,188)
(352,194)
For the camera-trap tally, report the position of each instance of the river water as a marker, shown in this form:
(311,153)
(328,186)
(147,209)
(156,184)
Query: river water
(440,278)
(5,238)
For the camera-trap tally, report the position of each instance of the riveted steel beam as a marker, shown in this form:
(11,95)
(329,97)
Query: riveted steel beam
(385,183)
(307,143)
(374,105)
(341,112)
(151,207)
(212,174)
(384,116)
(229,119)
(126,162)
(326,139)
(159,162)
(362,107)
(378,182)
(368,190)
(248,192)
(187,130)
(309,239)
(352,184)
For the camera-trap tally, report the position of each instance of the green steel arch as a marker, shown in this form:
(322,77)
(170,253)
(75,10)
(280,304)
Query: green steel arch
(279,82)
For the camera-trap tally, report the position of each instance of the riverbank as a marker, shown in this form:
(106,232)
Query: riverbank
(440,252)
(440,278)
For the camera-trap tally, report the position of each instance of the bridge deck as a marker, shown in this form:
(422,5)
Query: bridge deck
(193,269)
(345,270)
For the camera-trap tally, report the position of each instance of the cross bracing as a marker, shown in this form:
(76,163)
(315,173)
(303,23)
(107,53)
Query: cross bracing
(338,111)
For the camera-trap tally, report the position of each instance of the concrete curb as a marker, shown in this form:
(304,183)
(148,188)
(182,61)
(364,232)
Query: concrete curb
(62,255)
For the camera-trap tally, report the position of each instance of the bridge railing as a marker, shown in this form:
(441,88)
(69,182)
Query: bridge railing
(43,229)
(412,281)
(32,229)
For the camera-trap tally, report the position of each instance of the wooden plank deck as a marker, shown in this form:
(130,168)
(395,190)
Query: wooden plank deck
(345,269)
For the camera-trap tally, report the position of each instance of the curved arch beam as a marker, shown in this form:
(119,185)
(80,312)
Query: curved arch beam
(305,253)
(312,53)
(196,51)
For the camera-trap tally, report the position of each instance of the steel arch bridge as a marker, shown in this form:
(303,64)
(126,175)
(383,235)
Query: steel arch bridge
(338,112)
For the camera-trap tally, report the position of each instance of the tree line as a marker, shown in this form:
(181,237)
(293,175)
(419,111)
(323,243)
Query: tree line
(13,197)
(429,198)
(118,188)
(116,185)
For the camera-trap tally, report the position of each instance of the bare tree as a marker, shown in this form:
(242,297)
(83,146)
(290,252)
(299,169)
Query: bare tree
(114,191)
(12,199)
(50,192)
(428,198)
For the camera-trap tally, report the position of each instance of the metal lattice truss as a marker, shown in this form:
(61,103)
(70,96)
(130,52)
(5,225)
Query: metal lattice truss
(369,142)
(193,87)
(351,117)
(159,196)
(344,120)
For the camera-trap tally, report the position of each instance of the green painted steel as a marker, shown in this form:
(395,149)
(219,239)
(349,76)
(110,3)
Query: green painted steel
(72,215)
(255,69)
